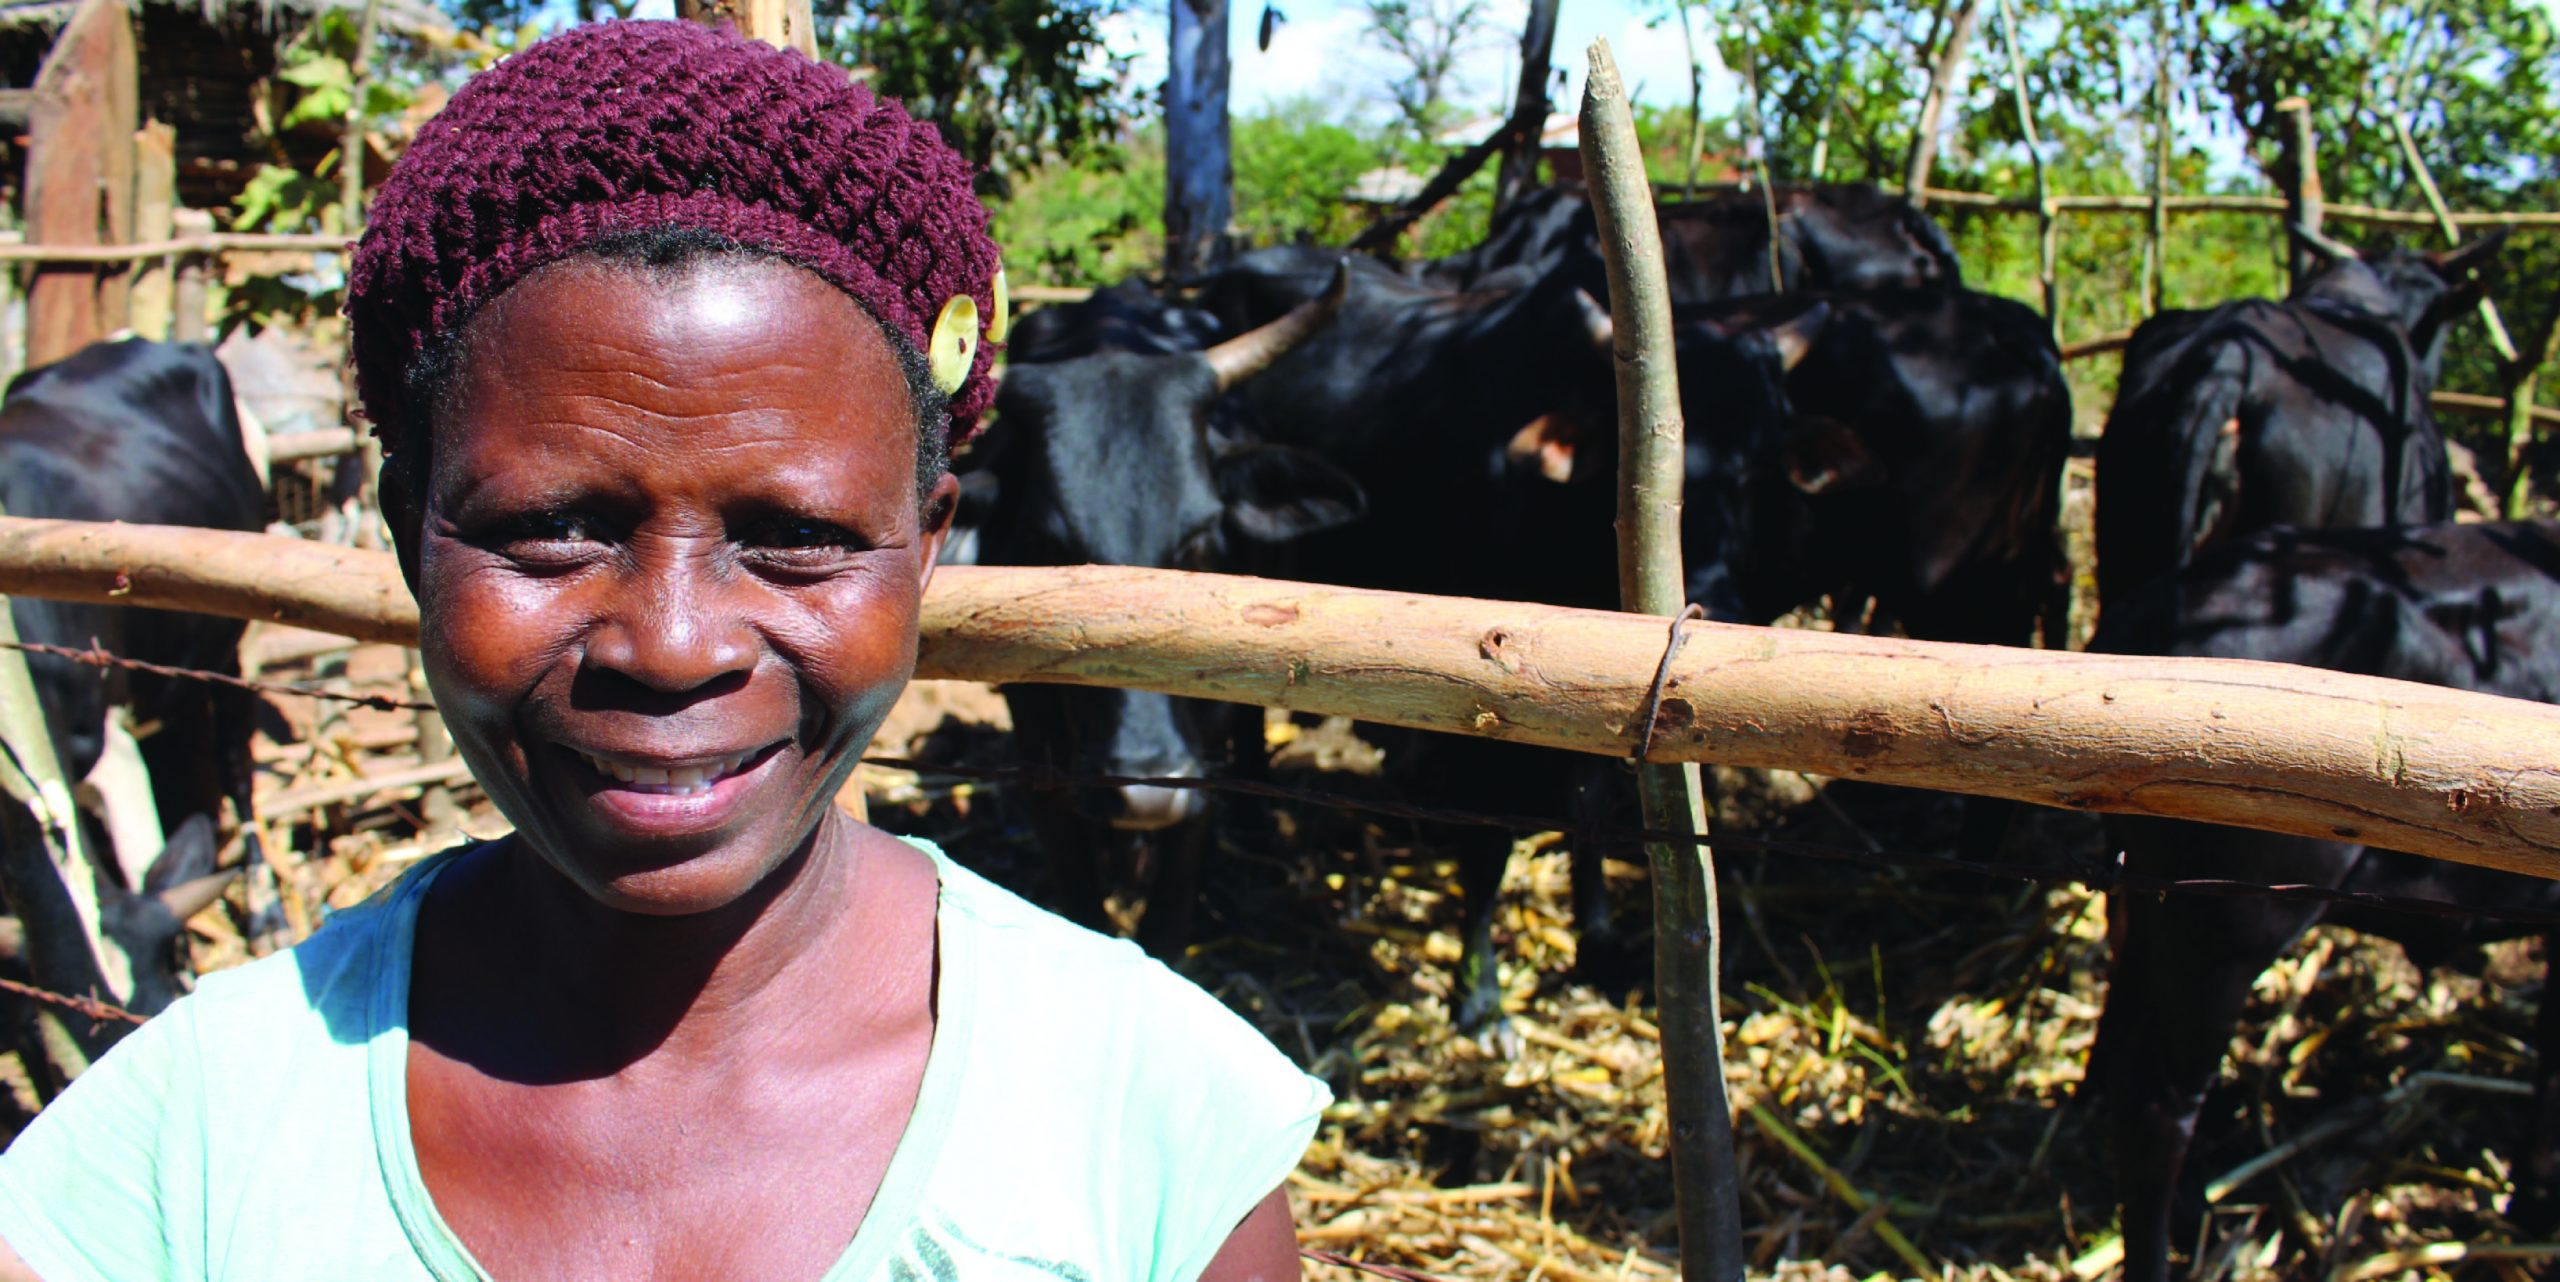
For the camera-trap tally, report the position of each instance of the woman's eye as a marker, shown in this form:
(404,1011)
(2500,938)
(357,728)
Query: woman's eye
(551,537)
(799,542)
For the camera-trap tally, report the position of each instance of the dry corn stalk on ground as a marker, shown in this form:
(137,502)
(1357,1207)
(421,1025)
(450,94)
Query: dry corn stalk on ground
(1902,1051)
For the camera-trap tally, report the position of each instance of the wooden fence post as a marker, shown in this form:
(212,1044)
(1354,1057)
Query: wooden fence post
(155,207)
(1651,475)
(2300,176)
(79,187)
(191,296)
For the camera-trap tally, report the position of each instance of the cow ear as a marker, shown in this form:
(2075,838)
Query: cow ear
(1825,455)
(187,855)
(1275,493)
(2456,265)
(1794,339)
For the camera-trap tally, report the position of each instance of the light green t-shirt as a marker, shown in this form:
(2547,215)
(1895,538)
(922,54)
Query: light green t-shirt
(1086,1114)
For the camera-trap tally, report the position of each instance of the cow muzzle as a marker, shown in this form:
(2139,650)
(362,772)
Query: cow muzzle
(1154,808)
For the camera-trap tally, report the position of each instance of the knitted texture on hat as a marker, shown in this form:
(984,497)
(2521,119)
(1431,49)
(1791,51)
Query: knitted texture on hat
(628,127)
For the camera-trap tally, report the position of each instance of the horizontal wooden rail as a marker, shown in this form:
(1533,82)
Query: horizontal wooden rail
(2473,403)
(215,243)
(327,442)
(2442,773)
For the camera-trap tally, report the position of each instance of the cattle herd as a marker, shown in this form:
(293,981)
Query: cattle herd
(1862,430)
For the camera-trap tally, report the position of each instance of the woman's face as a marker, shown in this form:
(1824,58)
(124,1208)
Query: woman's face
(668,560)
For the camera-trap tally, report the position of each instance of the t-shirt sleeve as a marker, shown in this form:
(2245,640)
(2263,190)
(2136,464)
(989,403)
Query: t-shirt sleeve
(1232,1131)
(100,1183)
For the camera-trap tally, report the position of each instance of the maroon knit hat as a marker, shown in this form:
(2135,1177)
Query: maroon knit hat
(635,126)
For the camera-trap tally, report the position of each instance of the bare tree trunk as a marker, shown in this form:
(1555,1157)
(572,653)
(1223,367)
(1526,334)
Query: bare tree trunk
(1199,174)
(1519,172)
(2048,237)
(1820,170)
(1943,78)
(1651,475)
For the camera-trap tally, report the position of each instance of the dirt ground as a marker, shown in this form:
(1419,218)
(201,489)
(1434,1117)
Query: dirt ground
(1902,1048)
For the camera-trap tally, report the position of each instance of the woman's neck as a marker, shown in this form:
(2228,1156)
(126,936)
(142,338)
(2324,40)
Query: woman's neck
(529,978)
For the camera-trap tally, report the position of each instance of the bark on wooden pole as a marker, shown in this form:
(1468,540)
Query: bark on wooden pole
(1943,75)
(1199,181)
(2299,175)
(1652,472)
(79,181)
(2445,774)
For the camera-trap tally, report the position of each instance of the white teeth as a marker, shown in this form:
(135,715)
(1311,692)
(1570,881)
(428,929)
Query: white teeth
(684,781)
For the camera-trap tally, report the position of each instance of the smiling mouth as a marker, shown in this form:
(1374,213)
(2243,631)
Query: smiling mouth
(694,780)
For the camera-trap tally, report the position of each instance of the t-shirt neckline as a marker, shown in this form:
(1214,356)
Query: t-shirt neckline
(902,1187)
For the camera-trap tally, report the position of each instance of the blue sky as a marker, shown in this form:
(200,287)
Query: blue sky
(1320,53)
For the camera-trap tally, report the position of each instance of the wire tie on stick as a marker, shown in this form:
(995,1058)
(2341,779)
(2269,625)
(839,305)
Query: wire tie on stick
(1662,676)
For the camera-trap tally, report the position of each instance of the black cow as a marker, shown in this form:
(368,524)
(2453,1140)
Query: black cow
(2309,412)
(2471,606)
(142,432)
(1115,454)
(1848,236)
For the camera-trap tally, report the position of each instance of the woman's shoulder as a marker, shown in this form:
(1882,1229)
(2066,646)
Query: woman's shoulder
(1042,979)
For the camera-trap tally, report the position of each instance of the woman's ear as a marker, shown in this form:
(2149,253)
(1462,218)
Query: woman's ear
(941,504)
(404,510)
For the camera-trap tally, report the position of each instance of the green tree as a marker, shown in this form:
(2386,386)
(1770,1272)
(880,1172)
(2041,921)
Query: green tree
(1428,38)
(1010,83)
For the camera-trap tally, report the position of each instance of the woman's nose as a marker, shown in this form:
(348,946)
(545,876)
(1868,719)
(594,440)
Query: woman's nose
(674,629)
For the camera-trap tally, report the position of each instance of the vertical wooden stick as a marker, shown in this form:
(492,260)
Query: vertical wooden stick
(47,879)
(351,141)
(2155,261)
(78,158)
(785,24)
(1519,171)
(1651,473)
(2301,175)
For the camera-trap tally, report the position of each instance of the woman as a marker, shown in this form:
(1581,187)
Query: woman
(667,334)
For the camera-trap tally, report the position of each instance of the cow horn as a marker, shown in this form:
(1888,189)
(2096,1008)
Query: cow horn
(190,897)
(1596,321)
(13,939)
(2322,245)
(1255,350)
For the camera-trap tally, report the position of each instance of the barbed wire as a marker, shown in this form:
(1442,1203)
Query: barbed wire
(97,1011)
(2108,876)
(96,657)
